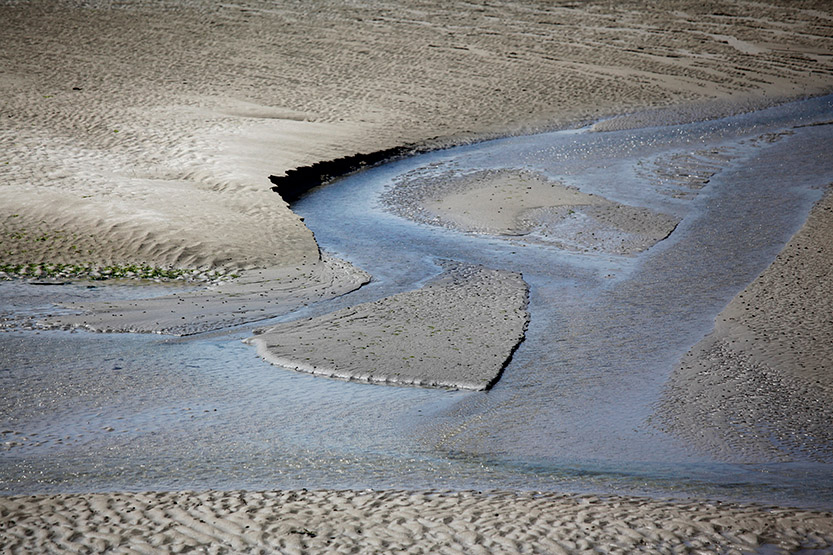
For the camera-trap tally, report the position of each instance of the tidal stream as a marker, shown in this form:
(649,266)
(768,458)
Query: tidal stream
(573,410)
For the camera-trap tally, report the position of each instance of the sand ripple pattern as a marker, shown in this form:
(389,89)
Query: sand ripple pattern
(135,132)
(398,522)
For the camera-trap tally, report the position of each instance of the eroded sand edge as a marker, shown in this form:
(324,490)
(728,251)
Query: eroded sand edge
(458,331)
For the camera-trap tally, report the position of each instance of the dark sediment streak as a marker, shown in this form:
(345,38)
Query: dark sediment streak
(297,182)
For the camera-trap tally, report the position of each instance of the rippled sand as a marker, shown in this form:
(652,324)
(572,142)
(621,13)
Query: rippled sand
(135,133)
(396,522)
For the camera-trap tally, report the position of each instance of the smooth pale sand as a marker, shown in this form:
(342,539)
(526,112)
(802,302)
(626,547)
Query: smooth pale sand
(135,134)
(515,203)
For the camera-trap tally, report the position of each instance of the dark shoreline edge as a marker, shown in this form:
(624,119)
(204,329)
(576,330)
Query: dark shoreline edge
(515,348)
(299,181)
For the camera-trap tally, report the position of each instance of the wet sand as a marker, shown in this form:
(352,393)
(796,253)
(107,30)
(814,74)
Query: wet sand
(760,386)
(255,296)
(522,203)
(458,331)
(139,135)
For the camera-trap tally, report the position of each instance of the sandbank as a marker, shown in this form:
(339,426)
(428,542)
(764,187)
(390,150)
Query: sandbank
(457,331)
(760,386)
(521,203)
(256,295)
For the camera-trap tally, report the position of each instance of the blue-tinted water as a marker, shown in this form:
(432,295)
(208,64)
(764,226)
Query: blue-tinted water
(572,412)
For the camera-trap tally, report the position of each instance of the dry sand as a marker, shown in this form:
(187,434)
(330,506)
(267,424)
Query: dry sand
(144,133)
(458,331)
(399,522)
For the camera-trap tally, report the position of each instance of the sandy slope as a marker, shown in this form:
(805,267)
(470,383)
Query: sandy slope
(760,386)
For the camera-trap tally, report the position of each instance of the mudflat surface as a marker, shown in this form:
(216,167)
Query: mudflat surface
(608,326)
(253,296)
(521,203)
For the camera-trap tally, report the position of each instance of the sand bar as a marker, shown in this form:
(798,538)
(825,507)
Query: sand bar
(255,295)
(522,203)
(760,386)
(458,331)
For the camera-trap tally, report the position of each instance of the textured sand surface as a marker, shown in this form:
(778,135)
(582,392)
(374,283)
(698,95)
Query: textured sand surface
(457,331)
(139,133)
(523,203)
(257,295)
(144,133)
(760,386)
(399,522)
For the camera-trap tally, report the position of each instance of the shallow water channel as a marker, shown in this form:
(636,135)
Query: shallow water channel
(572,411)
